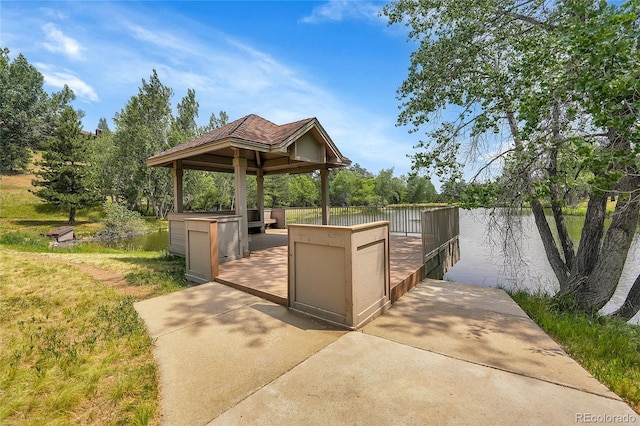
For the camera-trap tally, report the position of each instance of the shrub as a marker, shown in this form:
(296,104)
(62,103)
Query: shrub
(121,222)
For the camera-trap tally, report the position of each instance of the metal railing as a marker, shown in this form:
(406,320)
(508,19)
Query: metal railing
(402,219)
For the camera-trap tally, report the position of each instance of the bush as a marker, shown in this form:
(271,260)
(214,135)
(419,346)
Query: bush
(121,222)
(25,240)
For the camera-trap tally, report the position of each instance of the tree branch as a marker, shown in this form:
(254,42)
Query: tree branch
(556,206)
(486,166)
(531,20)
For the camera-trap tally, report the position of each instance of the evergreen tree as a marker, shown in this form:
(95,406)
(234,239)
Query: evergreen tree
(103,126)
(214,122)
(23,105)
(65,175)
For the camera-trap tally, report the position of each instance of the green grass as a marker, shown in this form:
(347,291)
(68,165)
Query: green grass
(581,209)
(608,348)
(74,349)
(21,210)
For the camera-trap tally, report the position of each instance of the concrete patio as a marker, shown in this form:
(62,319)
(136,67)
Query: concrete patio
(445,353)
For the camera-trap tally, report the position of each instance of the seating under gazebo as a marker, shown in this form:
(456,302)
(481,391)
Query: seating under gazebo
(255,146)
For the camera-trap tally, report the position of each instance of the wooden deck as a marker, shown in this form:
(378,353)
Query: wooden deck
(264,273)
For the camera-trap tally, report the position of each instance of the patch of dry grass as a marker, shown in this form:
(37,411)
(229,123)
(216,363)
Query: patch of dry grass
(74,349)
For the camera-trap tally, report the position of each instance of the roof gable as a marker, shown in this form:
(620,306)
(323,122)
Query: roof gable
(251,128)
(251,132)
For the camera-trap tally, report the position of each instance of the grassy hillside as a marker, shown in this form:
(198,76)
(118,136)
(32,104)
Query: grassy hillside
(21,210)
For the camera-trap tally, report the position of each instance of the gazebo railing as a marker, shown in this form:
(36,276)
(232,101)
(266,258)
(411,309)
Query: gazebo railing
(402,219)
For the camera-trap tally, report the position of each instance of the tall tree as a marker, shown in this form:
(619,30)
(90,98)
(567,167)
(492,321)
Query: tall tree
(214,122)
(276,191)
(420,189)
(304,191)
(183,126)
(388,188)
(341,187)
(451,190)
(142,130)
(216,194)
(199,186)
(66,173)
(104,156)
(103,126)
(557,84)
(353,186)
(23,111)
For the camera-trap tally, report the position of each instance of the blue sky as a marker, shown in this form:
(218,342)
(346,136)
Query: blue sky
(283,60)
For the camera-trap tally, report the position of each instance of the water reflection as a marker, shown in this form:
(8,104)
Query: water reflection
(483,260)
(155,241)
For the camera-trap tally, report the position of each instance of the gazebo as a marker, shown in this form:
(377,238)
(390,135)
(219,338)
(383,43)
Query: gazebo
(255,146)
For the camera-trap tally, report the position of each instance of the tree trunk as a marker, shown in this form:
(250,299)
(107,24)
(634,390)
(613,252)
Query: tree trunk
(558,265)
(550,248)
(556,199)
(589,246)
(563,232)
(631,305)
(72,215)
(601,284)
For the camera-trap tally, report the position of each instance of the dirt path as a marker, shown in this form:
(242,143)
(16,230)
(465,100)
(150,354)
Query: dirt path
(113,279)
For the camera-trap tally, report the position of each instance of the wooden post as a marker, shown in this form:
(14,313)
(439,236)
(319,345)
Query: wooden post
(260,195)
(177,187)
(240,183)
(213,249)
(324,190)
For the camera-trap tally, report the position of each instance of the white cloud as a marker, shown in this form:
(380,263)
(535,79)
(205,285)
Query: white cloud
(54,13)
(228,73)
(163,39)
(340,10)
(59,78)
(58,42)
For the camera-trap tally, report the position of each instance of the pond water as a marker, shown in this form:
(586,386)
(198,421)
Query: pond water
(154,241)
(483,261)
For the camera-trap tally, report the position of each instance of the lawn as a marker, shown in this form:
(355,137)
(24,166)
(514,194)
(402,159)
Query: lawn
(74,350)
(608,348)
(21,210)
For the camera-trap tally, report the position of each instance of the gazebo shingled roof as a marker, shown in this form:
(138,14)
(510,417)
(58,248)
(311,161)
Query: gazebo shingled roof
(264,144)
